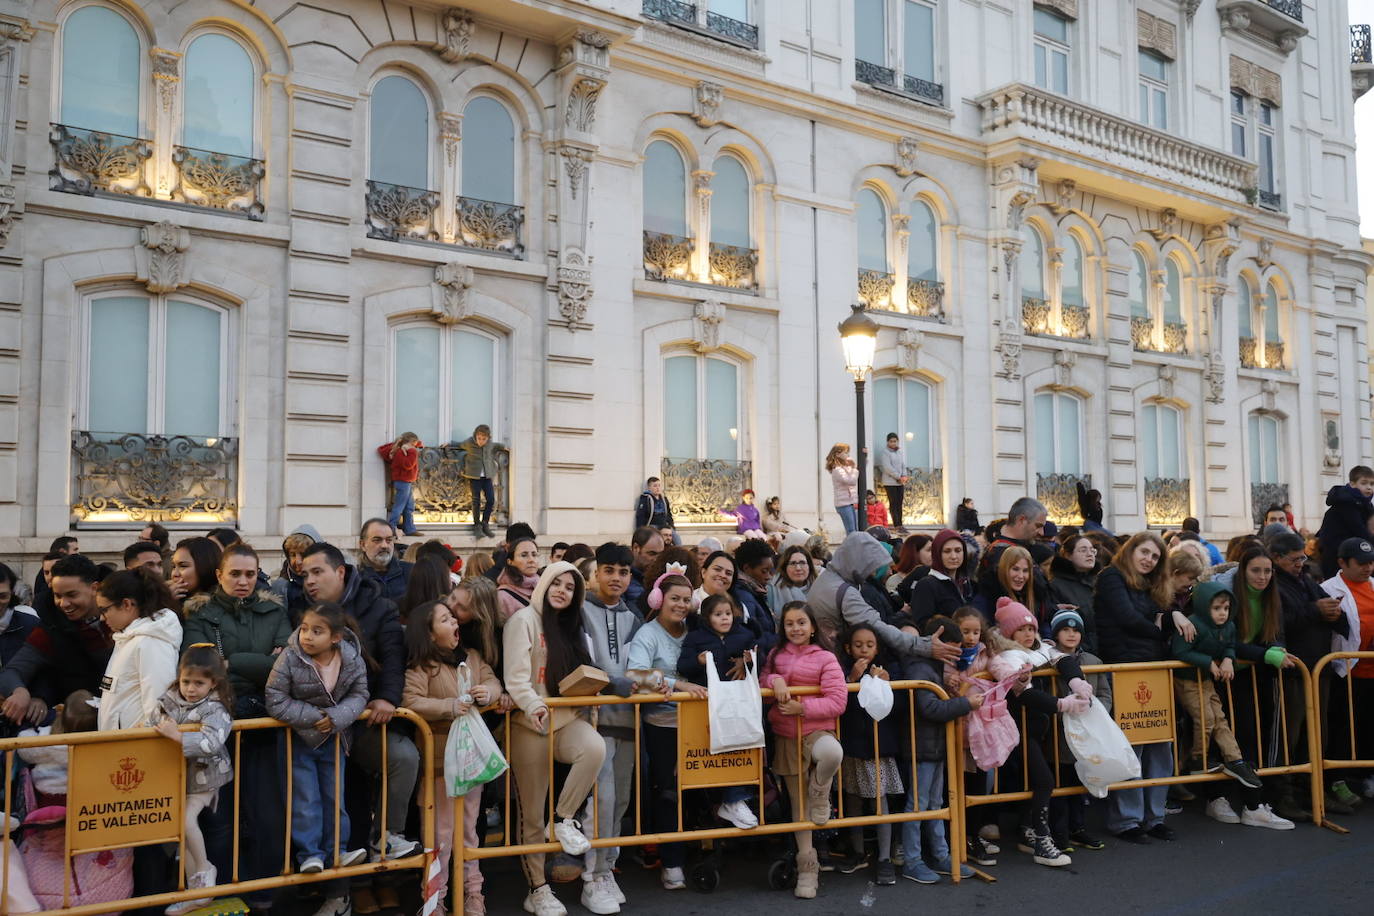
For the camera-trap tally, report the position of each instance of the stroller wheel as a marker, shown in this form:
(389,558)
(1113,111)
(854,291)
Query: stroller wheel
(705,878)
(782,874)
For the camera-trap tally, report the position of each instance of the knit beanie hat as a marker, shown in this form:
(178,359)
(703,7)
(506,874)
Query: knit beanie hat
(1066,618)
(1012,616)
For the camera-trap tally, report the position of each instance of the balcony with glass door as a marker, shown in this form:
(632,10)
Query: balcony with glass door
(723,20)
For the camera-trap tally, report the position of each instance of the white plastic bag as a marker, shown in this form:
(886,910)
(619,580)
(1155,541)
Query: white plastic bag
(875,696)
(1102,755)
(735,709)
(472,757)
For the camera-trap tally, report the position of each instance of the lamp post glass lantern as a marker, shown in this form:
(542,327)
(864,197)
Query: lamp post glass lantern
(859,337)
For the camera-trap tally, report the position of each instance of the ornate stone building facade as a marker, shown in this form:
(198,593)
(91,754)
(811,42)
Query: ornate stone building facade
(245,243)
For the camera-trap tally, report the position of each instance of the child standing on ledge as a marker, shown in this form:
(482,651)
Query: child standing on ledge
(402,459)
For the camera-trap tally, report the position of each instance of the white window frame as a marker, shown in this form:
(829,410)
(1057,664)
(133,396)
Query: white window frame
(255,118)
(936,226)
(932,431)
(741,399)
(157,363)
(431,133)
(1056,399)
(1255,446)
(689,214)
(1151,88)
(1050,47)
(144,69)
(709,216)
(445,384)
(516,151)
(1240,118)
(1254,129)
(1160,411)
(1045,284)
(894,41)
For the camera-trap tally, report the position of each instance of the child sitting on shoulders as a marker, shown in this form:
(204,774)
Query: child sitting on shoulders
(1068,814)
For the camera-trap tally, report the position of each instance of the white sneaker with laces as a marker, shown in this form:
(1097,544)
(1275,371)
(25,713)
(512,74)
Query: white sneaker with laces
(542,902)
(1264,816)
(612,888)
(349,857)
(738,813)
(1219,809)
(569,834)
(397,847)
(673,879)
(597,898)
(312,865)
(335,906)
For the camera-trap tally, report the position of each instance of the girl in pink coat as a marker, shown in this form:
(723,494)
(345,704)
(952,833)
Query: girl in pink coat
(801,660)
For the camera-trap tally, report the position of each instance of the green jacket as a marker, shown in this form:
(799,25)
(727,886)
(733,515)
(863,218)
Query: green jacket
(1215,643)
(480,460)
(246,632)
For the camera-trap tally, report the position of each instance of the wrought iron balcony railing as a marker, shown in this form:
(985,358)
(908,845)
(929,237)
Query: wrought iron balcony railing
(734,266)
(1264,495)
(672,11)
(491,226)
(875,288)
(875,74)
(923,496)
(1059,493)
(143,478)
(1175,337)
(734,30)
(925,90)
(218,181)
(1290,8)
(1167,501)
(667,257)
(92,161)
(1142,332)
(1360,45)
(1249,353)
(1035,315)
(1074,321)
(395,211)
(443,496)
(699,487)
(716,25)
(887,78)
(925,298)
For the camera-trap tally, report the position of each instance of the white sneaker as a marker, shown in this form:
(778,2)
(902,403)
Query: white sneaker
(397,847)
(542,902)
(198,880)
(312,866)
(335,906)
(738,813)
(597,898)
(1264,816)
(349,857)
(673,879)
(569,834)
(612,888)
(1219,809)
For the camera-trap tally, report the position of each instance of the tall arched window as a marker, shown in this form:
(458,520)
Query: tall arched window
(102,66)
(872,231)
(1264,449)
(1273,337)
(665,189)
(1245,309)
(444,382)
(923,243)
(399,133)
(1071,275)
(1137,286)
(1172,306)
(1032,266)
(1161,442)
(701,415)
(730,193)
(906,406)
(488,151)
(1058,434)
(218,99)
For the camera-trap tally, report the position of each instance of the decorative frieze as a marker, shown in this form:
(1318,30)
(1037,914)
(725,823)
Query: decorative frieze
(574,286)
(454,302)
(707,99)
(1155,34)
(160,256)
(1256,81)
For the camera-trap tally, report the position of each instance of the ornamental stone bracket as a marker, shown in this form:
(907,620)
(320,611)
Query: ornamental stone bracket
(1064,193)
(1265,256)
(1220,242)
(707,317)
(453,287)
(9,204)
(1269,391)
(458,28)
(1064,361)
(1009,347)
(1168,224)
(583,68)
(574,286)
(159,257)
(1214,372)
(909,344)
(707,99)
(1016,185)
(905,163)
(1167,376)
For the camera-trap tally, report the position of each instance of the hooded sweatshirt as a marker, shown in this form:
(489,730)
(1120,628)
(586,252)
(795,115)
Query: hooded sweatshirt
(610,629)
(837,601)
(143,663)
(525,653)
(288,586)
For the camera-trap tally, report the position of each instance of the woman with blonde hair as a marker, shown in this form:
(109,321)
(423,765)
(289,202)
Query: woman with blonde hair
(844,478)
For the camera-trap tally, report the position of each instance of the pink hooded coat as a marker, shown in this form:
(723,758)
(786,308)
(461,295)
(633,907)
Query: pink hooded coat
(807,666)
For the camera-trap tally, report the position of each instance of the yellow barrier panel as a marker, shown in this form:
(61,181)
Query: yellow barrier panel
(1317,716)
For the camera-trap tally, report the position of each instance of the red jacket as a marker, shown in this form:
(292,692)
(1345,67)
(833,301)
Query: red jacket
(807,666)
(404,465)
(877,514)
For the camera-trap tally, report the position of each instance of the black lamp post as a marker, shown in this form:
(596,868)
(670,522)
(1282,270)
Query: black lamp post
(859,336)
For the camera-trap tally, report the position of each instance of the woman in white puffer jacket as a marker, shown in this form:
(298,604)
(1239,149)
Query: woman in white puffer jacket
(137,607)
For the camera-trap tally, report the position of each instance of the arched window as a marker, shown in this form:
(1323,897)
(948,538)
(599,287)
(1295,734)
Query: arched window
(701,408)
(444,382)
(906,406)
(730,203)
(872,231)
(1172,305)
(1271,314)
(102,66)
(399,133)
(1058,434)
(922,245)
(157,366)
(1071,275)
(1033,266)
(1137,286)
(665,189)
(1245,309)
(1264,449)
(488,151)
(217,102)
(1161,442)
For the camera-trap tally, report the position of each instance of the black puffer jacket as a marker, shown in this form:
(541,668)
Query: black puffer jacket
(931,712)
(1126,628)
(379,628)
(1069,586)
(1347,516)
(938,594)
(1308,635)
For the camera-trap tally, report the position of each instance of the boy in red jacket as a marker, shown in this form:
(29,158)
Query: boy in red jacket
(402,459)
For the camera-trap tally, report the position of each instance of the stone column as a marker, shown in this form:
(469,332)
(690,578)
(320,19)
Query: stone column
(167,78)
(1224,493)
(1014,186)
(451,171)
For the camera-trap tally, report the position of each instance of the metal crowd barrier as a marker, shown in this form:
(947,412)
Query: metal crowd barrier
(149,743)
(1323,730)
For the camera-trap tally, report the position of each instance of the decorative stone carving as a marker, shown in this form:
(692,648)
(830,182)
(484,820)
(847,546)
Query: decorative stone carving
(450,132)
(1269,390)
(1167,376)
(1265,257)
(1331,442)
(1009,346)
(909,343)
(575,162)
(454,302)
(581,109)
(1222,240)
(1064,193)
(574,286)
(1019,182)
(458,27)
(1068,7)
(1190,8)
(7,204)
(1214,371)
(1254,80)
(707,317)
(907,148)
(1156,34)
(166,75)
(160,256)
(1235,19)
(1064,361)
(1168,224)
(701,187)
(706,102)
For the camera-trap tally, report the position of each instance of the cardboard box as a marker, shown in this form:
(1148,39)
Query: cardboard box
(583,681)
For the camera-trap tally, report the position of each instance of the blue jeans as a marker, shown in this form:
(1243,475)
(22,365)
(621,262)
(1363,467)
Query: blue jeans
(402,506)
(314,799)
(482,489)
(1129,808)
(738,794)
(850,516)
(929,795)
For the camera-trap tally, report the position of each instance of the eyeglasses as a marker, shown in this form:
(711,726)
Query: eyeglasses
(802,563)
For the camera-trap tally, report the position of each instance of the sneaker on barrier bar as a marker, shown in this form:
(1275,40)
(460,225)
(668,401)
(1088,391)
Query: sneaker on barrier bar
(312,866)
(542,902)
(335,906)
(397,847)
(1219,809)
(569,834)
(1239,770)
(738,813)
(1264,816)
(349,857)
(597,898)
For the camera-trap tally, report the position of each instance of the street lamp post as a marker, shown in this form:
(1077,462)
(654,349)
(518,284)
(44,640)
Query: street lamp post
(859,336)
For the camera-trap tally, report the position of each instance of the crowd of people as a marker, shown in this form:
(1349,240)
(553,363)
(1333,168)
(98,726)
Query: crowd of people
(197,631)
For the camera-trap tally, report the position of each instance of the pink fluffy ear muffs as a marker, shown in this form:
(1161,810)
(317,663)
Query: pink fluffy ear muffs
(655,599)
